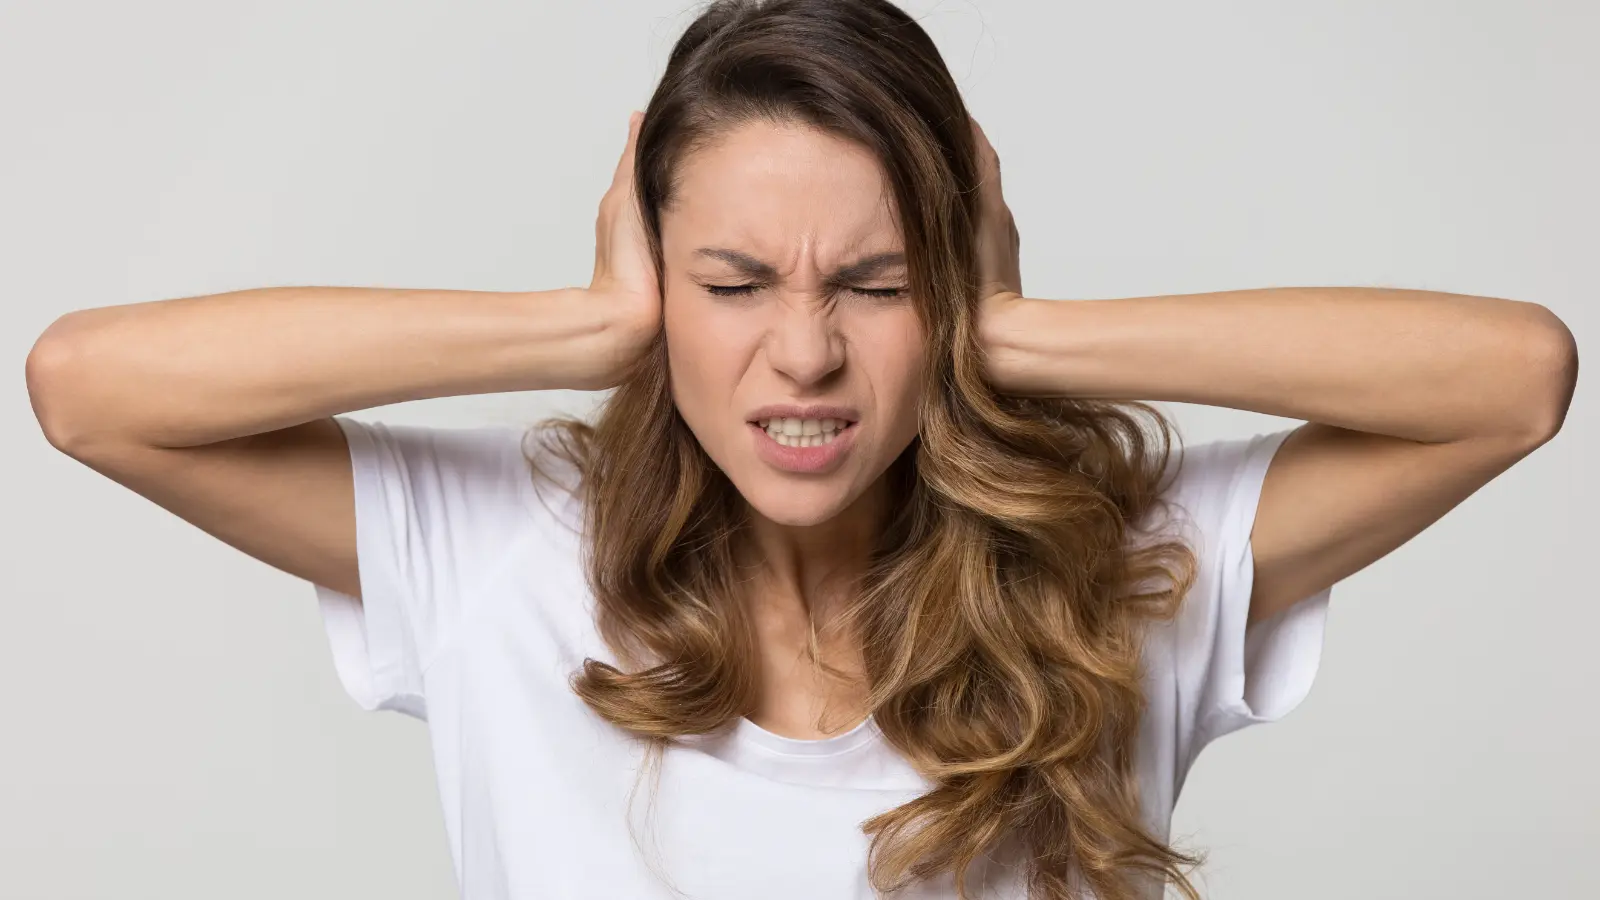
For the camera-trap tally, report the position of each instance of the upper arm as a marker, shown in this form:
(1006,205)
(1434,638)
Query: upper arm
(1335,500)
(399,527)
(285,497)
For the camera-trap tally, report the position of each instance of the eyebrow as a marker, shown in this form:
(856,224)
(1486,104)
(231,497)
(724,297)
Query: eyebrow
(853,271)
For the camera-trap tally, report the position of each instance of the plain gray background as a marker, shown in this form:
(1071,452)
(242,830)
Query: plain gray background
(173,725)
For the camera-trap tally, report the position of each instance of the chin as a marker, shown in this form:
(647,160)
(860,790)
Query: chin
(795,504)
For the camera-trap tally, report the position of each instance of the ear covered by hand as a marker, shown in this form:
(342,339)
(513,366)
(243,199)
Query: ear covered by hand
(1002,311)
(624,280)
(999,244)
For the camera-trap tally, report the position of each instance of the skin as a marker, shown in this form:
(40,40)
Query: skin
(1398,431)
(805,204)
(218,407)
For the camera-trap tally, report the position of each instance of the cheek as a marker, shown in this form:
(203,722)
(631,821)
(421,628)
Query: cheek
(687,360)
(895,362)
(704,354)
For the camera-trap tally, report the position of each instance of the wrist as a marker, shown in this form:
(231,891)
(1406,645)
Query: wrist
(562,339)
(1029,346)
(1003,325)
(611,330)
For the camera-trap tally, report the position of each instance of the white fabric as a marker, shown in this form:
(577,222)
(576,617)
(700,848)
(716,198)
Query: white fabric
(476,612)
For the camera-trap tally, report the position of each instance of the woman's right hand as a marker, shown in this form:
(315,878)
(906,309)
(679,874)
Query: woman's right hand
(624,279)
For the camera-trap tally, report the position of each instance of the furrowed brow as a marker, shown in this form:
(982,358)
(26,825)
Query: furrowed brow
(746,264)
(866,267)
(855,271)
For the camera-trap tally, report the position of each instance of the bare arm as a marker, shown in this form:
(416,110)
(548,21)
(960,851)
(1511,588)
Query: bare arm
(1413,400)
(197,370)
(217,407)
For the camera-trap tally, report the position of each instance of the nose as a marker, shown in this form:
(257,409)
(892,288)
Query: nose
(805,344)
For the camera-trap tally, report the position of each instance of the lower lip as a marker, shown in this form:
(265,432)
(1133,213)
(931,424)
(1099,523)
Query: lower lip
(814,460)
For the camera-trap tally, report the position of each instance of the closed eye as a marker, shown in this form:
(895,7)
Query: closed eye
(731,290)
(740,290)
(879,292)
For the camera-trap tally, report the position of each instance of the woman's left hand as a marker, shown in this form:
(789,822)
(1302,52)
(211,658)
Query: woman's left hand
(999,245)
(999,249)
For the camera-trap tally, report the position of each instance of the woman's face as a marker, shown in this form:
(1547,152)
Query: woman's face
(794,346)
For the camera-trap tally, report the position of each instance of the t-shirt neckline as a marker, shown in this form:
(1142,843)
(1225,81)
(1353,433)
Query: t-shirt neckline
(749,732)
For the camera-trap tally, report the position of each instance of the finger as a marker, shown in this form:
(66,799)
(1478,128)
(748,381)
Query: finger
(988,159)
(981,141)
(624,171)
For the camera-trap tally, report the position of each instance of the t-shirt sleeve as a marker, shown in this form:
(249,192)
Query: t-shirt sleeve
(433,510)
(1229,676)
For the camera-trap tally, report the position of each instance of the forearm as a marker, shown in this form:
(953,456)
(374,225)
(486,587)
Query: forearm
(197,370)
(1416,364)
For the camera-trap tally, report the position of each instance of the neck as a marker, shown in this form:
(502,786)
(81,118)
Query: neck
(796,581)
(808,570)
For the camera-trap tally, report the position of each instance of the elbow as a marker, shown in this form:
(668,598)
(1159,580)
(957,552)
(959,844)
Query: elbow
(1551,376)
(50,370)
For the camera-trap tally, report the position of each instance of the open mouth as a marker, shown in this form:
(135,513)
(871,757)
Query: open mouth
(803,432)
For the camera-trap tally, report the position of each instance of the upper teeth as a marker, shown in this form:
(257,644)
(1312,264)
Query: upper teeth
(802,426)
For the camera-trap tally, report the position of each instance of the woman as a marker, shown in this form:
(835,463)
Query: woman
(873,571)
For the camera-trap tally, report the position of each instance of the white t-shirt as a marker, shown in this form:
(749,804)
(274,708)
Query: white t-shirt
(476,613)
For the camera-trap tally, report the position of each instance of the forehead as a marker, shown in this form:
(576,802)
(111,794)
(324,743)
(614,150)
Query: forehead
(781,190)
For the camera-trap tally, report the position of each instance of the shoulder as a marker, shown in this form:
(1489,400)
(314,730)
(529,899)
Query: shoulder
(1214,673)
(484,478)
(1207,486)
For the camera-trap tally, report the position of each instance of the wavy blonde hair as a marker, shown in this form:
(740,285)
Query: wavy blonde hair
(1002,612)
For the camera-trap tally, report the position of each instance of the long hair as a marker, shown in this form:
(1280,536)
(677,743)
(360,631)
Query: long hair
(1001,615)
